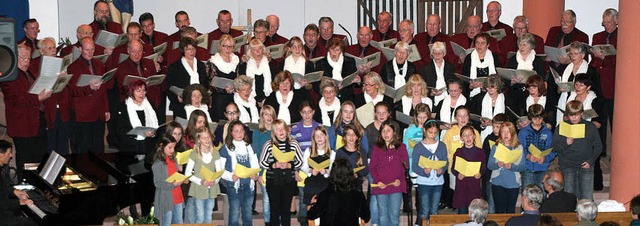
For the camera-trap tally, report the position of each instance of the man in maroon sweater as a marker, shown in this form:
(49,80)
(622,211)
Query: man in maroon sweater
(133,33)
(363,48)
(431,36)
(91,106)
(326,31)
(273,38)
(565,34)
(182,21)
(25,113)
(81,32)
(149,33)
(510,42)
(466,39)
(224,21)
(384,31)
(102,19)
(312,49)
(31,28)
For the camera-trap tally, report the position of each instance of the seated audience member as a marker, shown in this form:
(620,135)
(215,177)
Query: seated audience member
(10,198)
(635,210)
(587,212)
(478,212)
(557,201)
(531,199)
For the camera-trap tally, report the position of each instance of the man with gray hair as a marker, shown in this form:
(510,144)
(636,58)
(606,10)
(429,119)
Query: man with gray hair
(531,200)
(478,213)
(558,200)
(565,34)
(520,26)
(587,211)
(385,30)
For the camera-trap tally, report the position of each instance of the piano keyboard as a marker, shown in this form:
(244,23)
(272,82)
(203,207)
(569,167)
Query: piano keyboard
(37,211)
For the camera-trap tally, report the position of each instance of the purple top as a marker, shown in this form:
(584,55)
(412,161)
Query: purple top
(388,165)
(468,188)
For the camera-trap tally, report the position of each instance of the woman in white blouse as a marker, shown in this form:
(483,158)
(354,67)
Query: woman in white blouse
(258,68)
(415,93)
(328,105)
(243,89)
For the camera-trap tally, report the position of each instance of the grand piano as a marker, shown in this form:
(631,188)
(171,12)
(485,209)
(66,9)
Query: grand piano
(87,189)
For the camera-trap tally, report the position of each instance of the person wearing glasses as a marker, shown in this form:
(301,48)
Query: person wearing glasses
(326,32)
(243,97)
(438,72)
(337,66)
(467,39)
(31,28)
(374,89)
(445,109)
(566,33)
(188,70)
(225,65)
(231,113)
(396,71)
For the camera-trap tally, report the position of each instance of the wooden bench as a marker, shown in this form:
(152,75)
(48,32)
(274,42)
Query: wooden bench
(567,219)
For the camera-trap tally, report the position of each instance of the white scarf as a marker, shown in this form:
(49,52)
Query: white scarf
(565,78)
(325,109)
(337,67)
(445,111)
(246,117)
(440,82)
(587,103)
(476,63)
(194,77)
(283,111)
(253,69)
(407,103)
(150,118)
(488,111)
(295,66)
(399,77)
(542,100)
(375,100)
(224,66)
(526,64)
(203,107)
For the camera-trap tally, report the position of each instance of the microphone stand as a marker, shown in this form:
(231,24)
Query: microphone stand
(345,30)
(409,193)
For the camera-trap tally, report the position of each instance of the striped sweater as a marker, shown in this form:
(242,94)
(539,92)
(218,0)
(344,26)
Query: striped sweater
(280,175)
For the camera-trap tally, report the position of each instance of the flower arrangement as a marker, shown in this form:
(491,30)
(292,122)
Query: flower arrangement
(124,219)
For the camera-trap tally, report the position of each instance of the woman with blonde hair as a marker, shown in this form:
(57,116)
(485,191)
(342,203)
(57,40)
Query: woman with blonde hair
(374,89)
(259,69)
(224,64)
(415,93)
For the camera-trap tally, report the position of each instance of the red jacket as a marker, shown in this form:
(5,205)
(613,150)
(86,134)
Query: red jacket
(174,55)
(112,27)
(28,42)
(175,37)
(158,38)
(275,40)
(510,44)
(112,61)
(377,36)
(318,51)
(555,33)
(88,105)
(607,67)
(99,50)
(325,43)
(355,50)
(128,67)
(217,34)
(58,101)
(423,40)
(21,107)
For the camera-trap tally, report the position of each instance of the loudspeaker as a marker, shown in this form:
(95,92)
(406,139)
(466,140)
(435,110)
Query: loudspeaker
(8,50)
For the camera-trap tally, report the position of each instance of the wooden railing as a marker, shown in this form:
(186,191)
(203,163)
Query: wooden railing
(453,13)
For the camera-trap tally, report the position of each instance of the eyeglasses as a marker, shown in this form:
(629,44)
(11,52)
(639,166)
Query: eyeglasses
(227,46)
(231,112)
(368,85)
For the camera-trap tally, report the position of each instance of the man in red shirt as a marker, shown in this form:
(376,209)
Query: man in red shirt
(384,31)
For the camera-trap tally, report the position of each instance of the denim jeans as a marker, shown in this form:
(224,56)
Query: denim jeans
(373,204)
(265,205)
(190,211)
(505,198)
(240,201)
(578,181)
(429,199)
(302,208)
(529,177)
(204,210)
(489,195)
(174,216)
(389,208)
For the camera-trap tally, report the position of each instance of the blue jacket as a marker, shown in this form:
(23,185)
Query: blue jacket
(542,140)
(440,154)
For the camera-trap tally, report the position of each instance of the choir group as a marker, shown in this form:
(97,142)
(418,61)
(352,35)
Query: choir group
(349,129)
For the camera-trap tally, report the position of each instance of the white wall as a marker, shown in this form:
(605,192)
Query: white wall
(60,18)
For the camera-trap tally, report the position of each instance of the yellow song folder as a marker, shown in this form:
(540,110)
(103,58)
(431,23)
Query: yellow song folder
(468,169)
(244,172)
(357,169)
(319,166)
(431,164)
(573,131)
(177,177)
(280,156)
(209,175)
(183,157)
(537,152)
(503,154)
